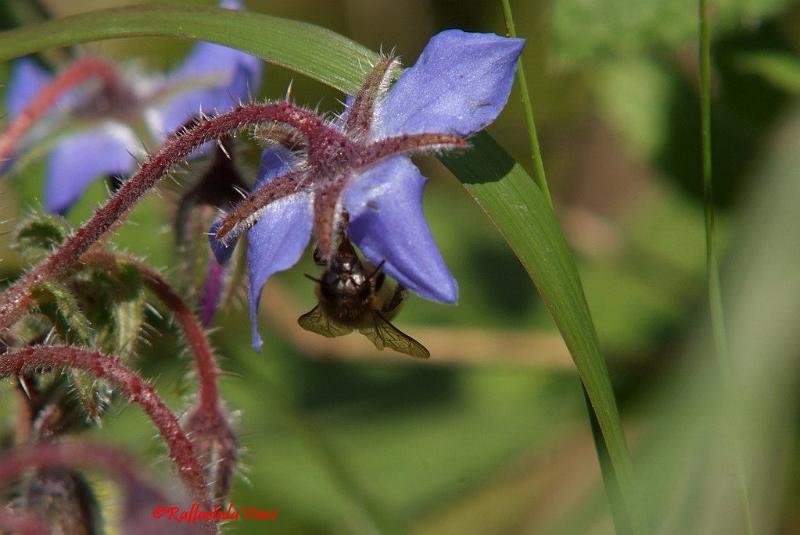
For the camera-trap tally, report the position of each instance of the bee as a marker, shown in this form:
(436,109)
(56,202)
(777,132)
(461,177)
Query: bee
(353,294)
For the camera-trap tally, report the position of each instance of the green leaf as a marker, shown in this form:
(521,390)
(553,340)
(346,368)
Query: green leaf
(500,186)
(780,69)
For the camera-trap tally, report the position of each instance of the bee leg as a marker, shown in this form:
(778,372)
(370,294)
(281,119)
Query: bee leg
(377,270)
(398,297)
(309,277)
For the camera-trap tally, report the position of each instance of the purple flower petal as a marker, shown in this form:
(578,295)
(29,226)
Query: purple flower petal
(80,158)
(182,107)
(281,235)
(227,77)
(387,223)
(221,252)
(213,60)
(27,80)
(216,278)
(275,161)
(459,85)
(276,243)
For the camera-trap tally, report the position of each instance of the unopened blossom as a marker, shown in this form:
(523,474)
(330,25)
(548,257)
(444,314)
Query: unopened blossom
(110,127)
(219,188)
(354,174)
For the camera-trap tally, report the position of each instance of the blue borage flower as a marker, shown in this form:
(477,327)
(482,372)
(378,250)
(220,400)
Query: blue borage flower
(458,86)
(212,78)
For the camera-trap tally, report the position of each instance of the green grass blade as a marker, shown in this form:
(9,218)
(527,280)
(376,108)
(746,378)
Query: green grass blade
(618,511)
(718,332)
(508,195)
(522,214)
(313,51)
(527,108)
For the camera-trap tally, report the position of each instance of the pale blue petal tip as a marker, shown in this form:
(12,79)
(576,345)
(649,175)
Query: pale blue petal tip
(459,85)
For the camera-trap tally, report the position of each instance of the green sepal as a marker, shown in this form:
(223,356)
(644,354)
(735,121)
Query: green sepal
(38,235)
(60,306)
(114,302)
(57,302)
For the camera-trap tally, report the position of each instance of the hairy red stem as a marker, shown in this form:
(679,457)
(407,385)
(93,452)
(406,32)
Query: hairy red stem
(409,143)
(206,421)
(79,72)
(116,463)
(205,360)
(109,368)
(237,219)
(17,298)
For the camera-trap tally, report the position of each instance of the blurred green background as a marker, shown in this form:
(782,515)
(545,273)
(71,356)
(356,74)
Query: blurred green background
(491,435)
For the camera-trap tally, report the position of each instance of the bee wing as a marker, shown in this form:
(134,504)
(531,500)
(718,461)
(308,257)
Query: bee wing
(318,322)
(384,334)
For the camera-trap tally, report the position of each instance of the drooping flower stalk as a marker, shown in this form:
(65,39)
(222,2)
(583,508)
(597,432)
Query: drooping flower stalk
(206,424)
(205,360)
(80,72)
(109,368)
(17,298)
(332,157)
(67,453)
(327,147)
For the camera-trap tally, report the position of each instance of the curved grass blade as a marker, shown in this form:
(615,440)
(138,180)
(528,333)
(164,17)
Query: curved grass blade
(522,214)
(527,108)
(502,188)
(719,334)
(310,50)
(613,492)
